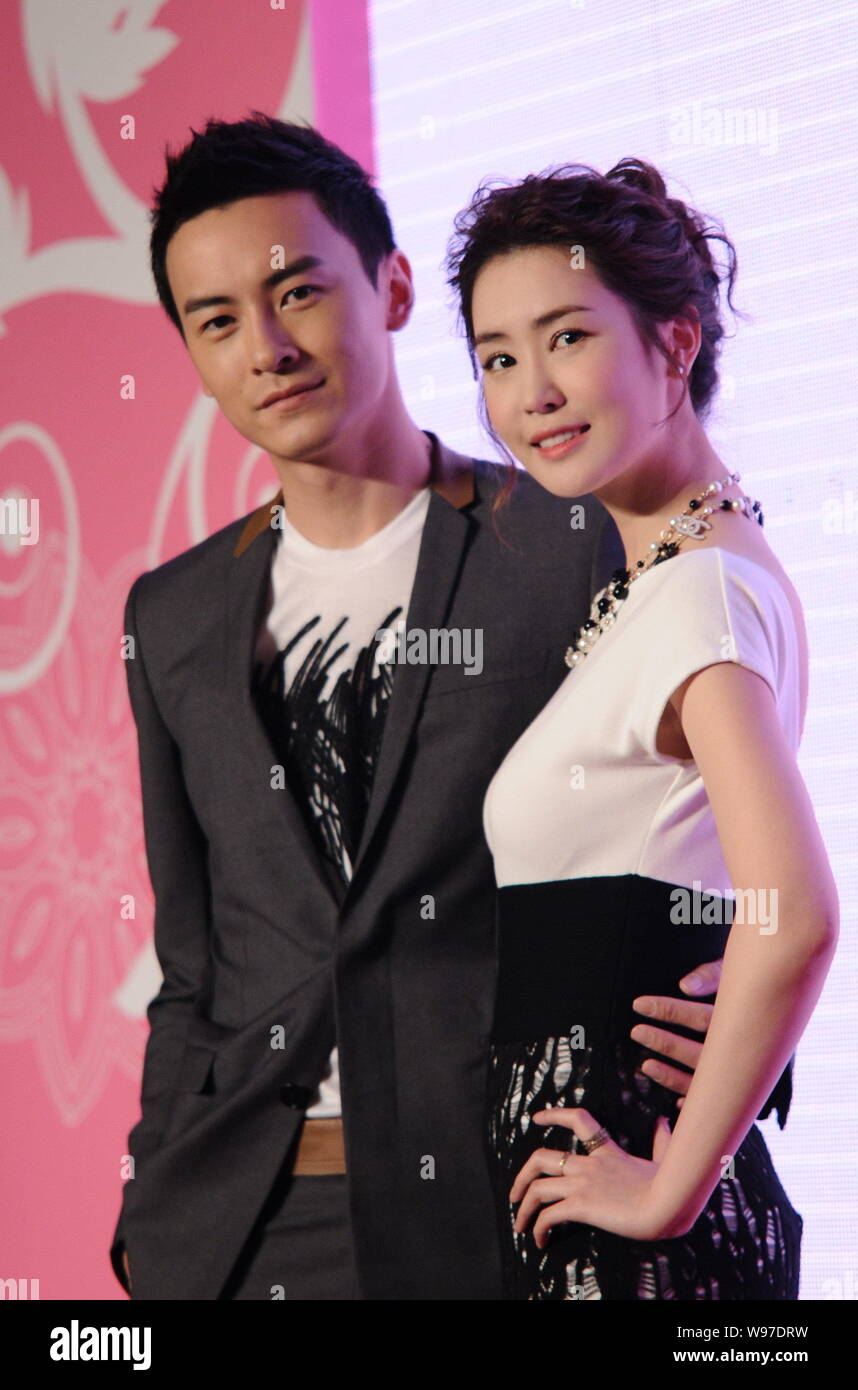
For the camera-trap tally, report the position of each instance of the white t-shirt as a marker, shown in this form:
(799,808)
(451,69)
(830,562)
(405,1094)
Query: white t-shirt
(327,607)
(584,792)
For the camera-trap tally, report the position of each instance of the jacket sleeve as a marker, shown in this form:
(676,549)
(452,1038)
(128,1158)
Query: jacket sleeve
(176,852)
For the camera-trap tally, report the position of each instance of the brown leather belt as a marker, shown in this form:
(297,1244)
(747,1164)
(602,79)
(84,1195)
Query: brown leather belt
(320,1148)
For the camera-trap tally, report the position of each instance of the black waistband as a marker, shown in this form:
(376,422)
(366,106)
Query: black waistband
(576,952)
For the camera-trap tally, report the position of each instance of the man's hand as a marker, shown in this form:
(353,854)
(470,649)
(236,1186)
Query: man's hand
(125,1265)
(696,1016)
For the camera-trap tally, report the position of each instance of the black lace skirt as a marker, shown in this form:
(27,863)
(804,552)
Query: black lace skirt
(746,1242)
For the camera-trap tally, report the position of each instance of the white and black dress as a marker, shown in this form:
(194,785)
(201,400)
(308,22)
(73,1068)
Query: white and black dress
(592,830)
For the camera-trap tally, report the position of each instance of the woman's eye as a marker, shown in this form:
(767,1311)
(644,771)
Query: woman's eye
(221,318)
(492,362)
(499,361)
(570,333)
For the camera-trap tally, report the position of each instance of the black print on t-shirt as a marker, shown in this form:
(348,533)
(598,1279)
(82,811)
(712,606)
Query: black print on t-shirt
(328,745)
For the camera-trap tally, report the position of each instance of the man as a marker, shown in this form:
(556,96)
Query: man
(312,1100)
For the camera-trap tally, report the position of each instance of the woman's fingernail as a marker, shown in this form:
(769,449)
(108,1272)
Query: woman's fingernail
(693,984)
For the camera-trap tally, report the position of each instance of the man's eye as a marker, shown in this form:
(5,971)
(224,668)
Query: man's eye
(301,290)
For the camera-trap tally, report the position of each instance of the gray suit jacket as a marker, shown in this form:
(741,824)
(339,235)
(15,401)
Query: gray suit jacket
(254,935)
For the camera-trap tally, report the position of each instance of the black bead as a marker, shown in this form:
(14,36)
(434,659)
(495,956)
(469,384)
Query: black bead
(589,623)
(604,605)
(621,593)
(693,504)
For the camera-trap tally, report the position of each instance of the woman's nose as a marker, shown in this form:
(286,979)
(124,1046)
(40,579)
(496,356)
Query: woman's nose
(543,396)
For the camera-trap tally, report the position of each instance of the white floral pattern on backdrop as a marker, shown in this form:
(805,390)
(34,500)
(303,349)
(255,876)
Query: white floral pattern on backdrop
(99,482)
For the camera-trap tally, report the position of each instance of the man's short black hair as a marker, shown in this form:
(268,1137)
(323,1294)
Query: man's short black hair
(259,155)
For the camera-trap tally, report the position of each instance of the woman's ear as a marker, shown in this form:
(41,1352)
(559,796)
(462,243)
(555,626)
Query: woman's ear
(682,336)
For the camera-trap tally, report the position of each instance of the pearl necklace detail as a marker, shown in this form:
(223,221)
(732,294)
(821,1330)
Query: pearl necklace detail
(690,523)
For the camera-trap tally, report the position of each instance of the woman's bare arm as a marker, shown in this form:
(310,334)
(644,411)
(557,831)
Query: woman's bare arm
(771,979)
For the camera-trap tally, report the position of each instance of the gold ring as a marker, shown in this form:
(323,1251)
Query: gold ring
(597,1140)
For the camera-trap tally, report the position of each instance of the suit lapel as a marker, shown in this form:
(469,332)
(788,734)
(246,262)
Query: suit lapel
(445,532)
(247,592)
(443,539)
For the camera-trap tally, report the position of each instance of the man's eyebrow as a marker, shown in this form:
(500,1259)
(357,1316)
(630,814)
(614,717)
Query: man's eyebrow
(542,322)
(298,267)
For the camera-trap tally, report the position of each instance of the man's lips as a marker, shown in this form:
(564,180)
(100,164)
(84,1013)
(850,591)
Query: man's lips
(286,392)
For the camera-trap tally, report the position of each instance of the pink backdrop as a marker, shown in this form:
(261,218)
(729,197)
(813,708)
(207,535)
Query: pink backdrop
(103,422)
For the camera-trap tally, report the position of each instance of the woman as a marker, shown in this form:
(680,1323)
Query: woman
(664,762)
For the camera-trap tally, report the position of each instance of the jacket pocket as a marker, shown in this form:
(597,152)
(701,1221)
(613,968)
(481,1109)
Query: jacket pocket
(195,1069)
(193,1091)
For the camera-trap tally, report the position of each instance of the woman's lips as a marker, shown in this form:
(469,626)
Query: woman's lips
(567,441)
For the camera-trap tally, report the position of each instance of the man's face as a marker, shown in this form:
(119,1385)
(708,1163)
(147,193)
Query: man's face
(564,351)
(321,327)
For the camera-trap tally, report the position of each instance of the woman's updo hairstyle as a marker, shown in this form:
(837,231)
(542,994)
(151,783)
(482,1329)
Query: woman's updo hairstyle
(651,250)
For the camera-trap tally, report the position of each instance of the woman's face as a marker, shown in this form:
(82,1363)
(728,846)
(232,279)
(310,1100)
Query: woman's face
(559,351)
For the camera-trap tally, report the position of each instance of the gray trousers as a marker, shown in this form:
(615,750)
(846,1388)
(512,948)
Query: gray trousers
(301,1247)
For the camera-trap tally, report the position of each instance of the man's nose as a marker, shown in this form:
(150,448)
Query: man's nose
(271,345)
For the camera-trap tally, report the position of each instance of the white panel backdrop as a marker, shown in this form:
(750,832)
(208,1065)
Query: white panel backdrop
(749,111)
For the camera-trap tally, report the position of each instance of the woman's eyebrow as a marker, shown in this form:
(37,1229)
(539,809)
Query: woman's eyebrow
(541,322)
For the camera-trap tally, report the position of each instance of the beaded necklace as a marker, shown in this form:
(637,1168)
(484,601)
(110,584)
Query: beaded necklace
(690,523)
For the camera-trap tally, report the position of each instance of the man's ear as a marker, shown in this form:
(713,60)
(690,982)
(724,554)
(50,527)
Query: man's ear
(400,289)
